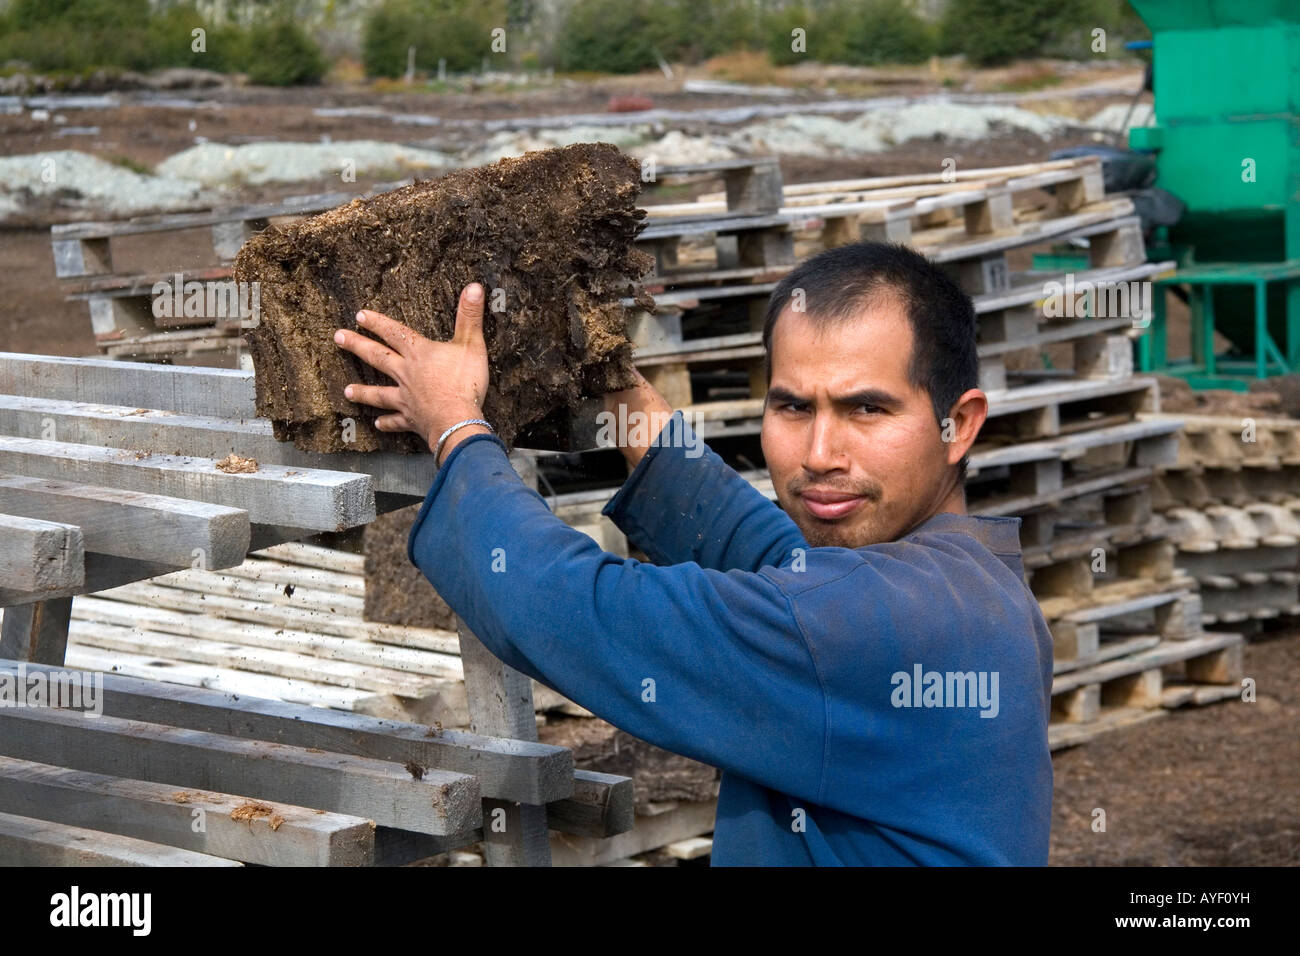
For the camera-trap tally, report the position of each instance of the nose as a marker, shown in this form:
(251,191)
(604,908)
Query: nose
(825,450)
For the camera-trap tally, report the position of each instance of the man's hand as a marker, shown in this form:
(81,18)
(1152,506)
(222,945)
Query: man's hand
(438,383)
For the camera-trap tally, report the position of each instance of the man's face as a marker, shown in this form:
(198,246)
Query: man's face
(854,449)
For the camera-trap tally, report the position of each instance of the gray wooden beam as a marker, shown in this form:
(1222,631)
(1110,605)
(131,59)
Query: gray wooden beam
(37,631)
(197,820)
(501,704)
(39,555)
(274,494)
(435,801)
(28,842)
(103,571)
(203,436)
(129,524)
(602,805)
(190,390)
(506,769)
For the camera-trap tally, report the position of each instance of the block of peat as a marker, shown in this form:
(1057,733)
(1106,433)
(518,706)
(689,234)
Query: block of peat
(397,592)
(549,235)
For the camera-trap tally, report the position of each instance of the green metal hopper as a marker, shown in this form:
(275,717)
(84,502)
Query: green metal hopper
(1227,88)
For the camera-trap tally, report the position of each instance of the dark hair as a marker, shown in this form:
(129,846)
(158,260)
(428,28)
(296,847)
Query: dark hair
(839,283)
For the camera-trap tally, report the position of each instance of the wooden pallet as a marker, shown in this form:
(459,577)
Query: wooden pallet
(129,513)
(277,784)
(1136,680)
(900,208)
(969,224)
(280,625)
(1131,623)
(1232,442)
(1201,487)
(1232,599)
(1053,407)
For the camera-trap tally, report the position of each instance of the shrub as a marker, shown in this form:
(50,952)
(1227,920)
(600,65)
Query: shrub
(778,32)
(279,53)
(884,31)
(460,33)
(608,37)
(993,32)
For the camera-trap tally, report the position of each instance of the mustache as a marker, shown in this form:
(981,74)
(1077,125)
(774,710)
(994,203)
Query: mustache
(866,489)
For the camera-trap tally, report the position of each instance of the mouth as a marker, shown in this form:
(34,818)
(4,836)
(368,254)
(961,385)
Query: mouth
(830,505)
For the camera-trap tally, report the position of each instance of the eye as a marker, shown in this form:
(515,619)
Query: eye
(871,409)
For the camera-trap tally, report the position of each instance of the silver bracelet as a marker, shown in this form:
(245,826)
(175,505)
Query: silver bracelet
(447,434)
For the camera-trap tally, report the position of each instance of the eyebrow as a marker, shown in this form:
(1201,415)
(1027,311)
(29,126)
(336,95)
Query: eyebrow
(866,396)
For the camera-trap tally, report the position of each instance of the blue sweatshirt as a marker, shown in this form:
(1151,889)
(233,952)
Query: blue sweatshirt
(884,705)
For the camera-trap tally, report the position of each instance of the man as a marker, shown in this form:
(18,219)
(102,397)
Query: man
(864,663)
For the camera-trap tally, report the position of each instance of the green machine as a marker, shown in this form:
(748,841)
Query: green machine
(1227,143)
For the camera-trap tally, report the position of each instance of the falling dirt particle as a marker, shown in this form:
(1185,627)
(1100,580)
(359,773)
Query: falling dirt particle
(276,821)
(415,770)
(180,796)
(314,750)
(233,464)
(248,812)
(288,590)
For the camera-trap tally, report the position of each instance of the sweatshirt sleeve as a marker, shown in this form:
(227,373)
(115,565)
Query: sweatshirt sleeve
(709,664)
(682,503)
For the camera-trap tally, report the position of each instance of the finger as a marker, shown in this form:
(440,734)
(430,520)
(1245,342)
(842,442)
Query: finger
(396,334)
(469,315)
(394,423)
(380,396)
(368,350)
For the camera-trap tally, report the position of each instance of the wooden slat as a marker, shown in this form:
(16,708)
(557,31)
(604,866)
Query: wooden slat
(186,390)
(507,769)
(274,494)
(302,643)
(202,436)
(25,841)
(440,802)
(134,525)
(40,556)
(289,617)
(278,835)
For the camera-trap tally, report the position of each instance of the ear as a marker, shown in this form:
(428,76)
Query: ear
(967,418)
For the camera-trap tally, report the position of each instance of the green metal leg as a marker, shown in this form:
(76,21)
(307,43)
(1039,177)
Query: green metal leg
(1293,324)
(1261,330)
(1159,328)
(1207,329)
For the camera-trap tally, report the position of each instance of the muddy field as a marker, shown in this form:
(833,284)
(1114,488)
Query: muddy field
(1208,786)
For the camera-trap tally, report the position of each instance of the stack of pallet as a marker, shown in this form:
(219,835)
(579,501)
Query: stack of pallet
(1066,448)
(116,473)
(1232,500)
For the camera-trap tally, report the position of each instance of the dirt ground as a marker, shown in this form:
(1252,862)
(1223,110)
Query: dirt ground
(1207,786)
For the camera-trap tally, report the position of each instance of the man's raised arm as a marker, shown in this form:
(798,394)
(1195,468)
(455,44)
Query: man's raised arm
(682,502)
